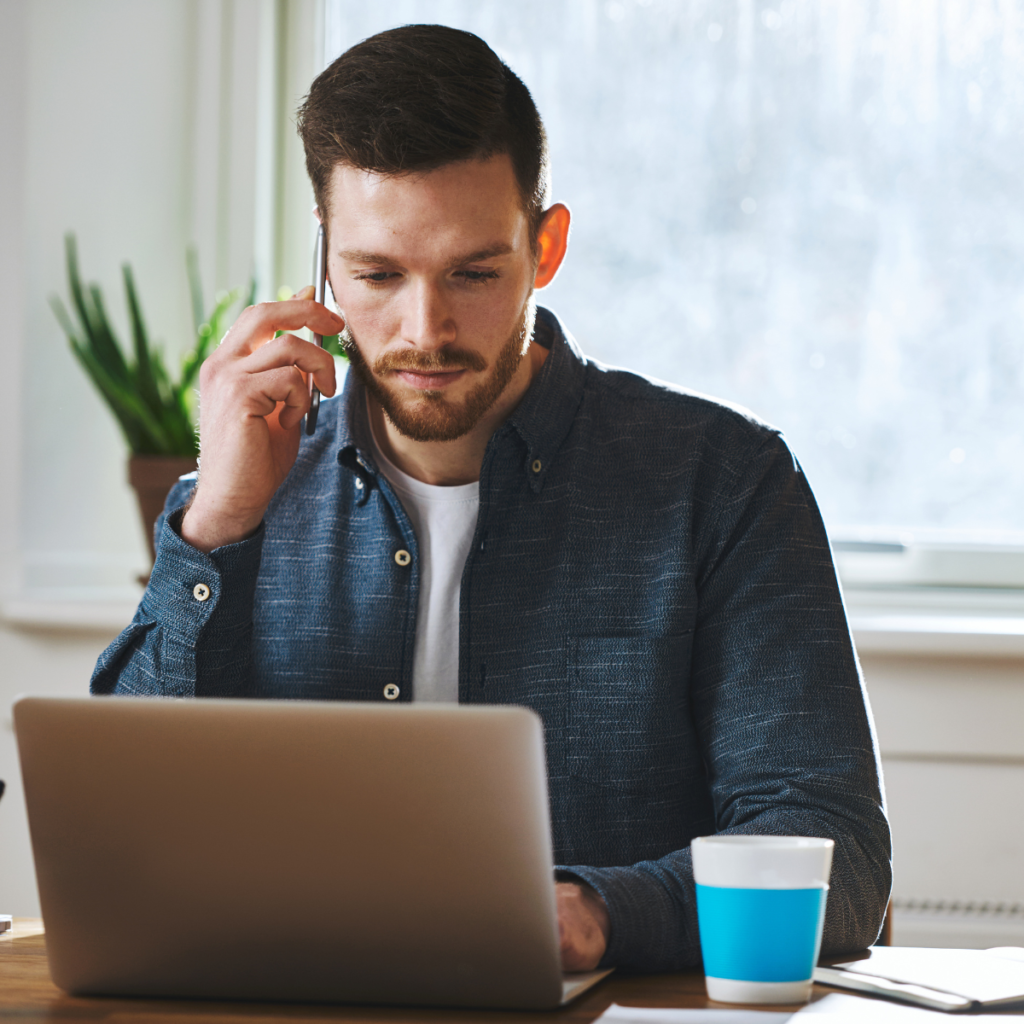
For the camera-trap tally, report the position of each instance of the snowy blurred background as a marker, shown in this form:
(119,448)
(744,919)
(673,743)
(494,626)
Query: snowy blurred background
(814,208)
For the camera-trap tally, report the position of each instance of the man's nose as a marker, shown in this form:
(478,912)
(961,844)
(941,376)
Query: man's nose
(426,319)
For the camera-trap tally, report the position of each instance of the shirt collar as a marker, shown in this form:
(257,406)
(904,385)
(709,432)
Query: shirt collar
(354,423)
(542,419)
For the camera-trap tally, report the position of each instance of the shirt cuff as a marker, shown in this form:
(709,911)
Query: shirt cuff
(649,928)
(191,591)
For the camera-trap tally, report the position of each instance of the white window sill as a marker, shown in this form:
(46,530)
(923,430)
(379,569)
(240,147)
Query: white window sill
(948,635)
(106,610)
(974,623)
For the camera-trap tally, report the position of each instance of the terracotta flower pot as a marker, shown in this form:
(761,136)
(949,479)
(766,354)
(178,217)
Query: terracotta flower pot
(152,477)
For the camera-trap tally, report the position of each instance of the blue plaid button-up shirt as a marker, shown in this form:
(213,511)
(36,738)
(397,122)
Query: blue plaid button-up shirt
(649,573)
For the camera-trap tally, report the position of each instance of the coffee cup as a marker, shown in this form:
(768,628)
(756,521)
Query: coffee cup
(760,910)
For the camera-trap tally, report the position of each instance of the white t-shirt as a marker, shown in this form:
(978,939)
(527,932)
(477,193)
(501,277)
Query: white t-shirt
(444,519)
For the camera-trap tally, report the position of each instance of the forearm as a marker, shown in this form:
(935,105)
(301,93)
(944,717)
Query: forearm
(192,633)
(652,905)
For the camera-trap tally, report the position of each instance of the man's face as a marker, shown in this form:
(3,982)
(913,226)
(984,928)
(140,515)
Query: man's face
(434,275)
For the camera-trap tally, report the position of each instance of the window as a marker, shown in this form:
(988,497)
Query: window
(814,209)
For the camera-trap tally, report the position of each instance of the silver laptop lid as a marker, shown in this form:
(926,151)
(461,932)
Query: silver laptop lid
(292,851)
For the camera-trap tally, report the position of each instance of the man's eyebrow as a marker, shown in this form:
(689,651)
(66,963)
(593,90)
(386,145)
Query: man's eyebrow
(498,249)
(363,256)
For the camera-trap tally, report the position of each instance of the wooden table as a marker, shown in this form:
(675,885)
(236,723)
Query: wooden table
(28,995)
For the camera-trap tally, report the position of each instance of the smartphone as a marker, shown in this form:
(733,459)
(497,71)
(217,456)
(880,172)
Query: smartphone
(319,294)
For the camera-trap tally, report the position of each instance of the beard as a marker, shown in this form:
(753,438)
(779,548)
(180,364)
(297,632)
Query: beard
(431,415)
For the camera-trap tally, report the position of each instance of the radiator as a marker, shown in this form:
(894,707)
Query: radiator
(963,924)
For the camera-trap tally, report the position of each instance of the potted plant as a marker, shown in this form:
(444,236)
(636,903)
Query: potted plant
(156,414)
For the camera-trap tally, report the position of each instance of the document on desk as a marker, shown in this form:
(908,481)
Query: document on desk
(952,980)
(850,1009)
(846,1009)
(616,1014)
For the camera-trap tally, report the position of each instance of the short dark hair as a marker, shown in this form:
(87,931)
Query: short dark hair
(416,98)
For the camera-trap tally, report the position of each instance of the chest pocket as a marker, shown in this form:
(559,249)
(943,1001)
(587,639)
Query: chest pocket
(630,727)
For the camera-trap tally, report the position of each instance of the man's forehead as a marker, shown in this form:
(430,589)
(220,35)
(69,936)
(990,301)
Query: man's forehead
(476,197)
(498,166)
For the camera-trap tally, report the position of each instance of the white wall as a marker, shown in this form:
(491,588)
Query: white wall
(143,127)
(953,755)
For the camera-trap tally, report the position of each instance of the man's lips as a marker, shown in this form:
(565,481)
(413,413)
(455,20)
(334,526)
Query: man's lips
(432,380)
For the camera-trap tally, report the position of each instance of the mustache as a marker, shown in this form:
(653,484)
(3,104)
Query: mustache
(429,362)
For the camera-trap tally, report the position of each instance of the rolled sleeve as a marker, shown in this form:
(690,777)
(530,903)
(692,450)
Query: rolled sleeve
(194,622)
(652,909)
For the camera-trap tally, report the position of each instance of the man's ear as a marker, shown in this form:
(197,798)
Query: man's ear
(552,241)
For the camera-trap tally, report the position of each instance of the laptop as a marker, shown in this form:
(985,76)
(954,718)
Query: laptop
(305,851)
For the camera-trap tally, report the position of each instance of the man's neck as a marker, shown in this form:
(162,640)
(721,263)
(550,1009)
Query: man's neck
(450,463)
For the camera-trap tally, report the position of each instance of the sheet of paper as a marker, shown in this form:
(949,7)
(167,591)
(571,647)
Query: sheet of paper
(882,1011)
(848,1009)
(616,1014)
(1007,952)
(876,1011)
(970,972)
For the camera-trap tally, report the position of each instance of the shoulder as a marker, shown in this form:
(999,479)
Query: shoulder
(655,414)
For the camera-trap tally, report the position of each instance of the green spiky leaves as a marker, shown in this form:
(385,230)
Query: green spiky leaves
(156,415)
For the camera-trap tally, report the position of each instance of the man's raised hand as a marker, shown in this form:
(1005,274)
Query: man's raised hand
(253,396)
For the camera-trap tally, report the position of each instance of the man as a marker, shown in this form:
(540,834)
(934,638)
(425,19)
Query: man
(485,516)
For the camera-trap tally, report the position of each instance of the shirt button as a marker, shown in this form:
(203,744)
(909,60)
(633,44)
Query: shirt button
(402,557)
(200,591)
(391,692)
(359,484)
(537,466)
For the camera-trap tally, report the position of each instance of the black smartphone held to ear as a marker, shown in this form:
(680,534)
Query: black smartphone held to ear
(319,293)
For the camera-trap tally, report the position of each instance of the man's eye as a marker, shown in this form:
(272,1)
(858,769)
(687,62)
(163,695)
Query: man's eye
(478,275)
(375,277)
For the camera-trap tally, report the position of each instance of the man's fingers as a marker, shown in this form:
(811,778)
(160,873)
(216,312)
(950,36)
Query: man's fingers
(264,392)
(575,953)
(257,324)
(578,953)
(296,405)
(291,351)
(582,926)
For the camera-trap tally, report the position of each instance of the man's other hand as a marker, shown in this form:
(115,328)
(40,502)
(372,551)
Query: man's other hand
(583,926)
(253,395)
